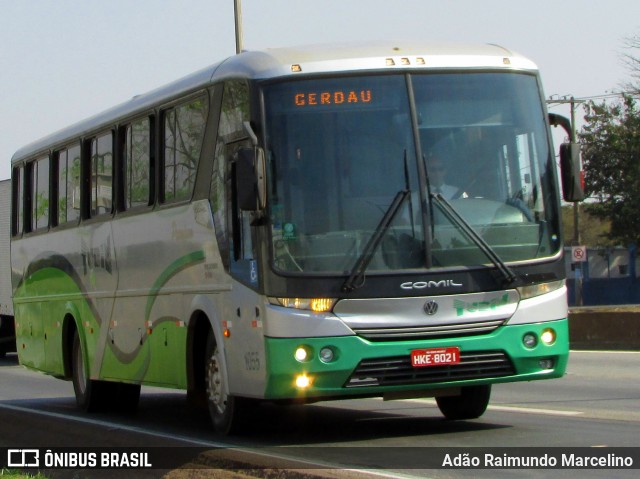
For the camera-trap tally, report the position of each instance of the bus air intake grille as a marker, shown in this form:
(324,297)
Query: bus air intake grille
(428,332)
(398,371)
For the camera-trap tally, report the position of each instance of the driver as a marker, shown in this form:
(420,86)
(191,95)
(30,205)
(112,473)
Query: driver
(436,172)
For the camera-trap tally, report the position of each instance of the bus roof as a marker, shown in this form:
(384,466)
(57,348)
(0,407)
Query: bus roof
(279,62)
(295,62)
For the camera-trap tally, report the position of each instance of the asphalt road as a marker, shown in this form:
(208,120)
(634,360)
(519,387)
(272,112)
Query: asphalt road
(594,405)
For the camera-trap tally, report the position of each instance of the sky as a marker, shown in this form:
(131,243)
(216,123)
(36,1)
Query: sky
(65,60)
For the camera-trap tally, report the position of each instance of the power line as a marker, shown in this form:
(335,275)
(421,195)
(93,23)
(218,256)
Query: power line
(603,96)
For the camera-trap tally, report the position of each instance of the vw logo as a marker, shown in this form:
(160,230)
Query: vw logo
(430,307)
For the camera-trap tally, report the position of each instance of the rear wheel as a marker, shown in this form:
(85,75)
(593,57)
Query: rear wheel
(470,404)
(98,396)
(91,395)
(225,410)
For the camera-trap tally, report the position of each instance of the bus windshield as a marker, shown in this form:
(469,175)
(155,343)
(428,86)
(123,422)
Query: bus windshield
(341,150)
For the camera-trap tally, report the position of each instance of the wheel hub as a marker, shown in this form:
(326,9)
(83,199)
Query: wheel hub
(215,391)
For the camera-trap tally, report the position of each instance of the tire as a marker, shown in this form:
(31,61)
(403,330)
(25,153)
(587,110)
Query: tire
(91,395)
(470,404)
(225,410)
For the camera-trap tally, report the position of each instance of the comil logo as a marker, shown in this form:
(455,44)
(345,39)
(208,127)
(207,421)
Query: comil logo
(23,458)
(431,284)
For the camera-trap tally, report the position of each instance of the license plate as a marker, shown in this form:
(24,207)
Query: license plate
(435,357)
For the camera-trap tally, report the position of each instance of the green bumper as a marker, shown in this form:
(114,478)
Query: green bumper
(492,358)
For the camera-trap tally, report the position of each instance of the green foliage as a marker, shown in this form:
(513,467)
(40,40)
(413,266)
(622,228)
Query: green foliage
(14,474)
(611,156)
(592,231)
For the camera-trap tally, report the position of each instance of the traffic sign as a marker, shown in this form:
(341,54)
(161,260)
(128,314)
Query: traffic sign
(578,254)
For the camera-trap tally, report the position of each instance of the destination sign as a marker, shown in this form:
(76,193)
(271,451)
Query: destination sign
(335,97)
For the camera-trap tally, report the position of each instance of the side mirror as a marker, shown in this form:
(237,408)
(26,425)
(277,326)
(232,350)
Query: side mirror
(570,164)
(250,179)
(571,172)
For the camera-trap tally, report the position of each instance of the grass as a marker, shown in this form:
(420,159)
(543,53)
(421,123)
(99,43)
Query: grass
(15,474)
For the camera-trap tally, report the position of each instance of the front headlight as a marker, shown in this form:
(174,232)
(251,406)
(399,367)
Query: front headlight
(534,290)
(317,305)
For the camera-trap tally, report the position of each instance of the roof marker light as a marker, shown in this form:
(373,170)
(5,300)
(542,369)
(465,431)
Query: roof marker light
(390,62)
(296,68)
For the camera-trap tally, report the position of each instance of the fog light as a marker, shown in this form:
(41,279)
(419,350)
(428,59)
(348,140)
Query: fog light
(548,336)
(546,363)
(530,340)
(301,354)
(326,355)
(303,381)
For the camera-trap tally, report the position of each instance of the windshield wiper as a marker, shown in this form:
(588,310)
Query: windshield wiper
(455,218)
(354,280)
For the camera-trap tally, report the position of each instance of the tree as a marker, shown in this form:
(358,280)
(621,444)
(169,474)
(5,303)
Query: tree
(593,231)
(632,62)
(611,154)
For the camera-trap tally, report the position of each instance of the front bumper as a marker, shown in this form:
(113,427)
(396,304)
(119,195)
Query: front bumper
(365,368)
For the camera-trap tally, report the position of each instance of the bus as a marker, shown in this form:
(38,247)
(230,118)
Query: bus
(271,229)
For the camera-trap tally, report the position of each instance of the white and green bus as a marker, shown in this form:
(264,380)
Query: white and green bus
(272,228)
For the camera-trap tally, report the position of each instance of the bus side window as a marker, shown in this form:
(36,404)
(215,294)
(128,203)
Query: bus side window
(40,194)
(183,136)
(137,164)
(68,193)
(17,218)
(101,171)
(233,229)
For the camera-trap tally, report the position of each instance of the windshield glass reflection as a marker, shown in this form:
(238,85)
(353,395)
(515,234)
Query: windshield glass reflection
(339,150)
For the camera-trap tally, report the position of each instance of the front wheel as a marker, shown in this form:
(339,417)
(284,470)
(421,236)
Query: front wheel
(470,404)
(225,410)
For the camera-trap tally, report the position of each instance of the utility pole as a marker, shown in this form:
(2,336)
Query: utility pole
(237,13)
(576,205)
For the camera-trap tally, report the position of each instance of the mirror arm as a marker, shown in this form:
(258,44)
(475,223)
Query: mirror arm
(249,131)
(564,122)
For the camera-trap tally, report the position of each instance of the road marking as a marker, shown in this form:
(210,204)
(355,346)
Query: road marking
(531,410)
(112,425)
(220,445)
(578,351)
(525,410)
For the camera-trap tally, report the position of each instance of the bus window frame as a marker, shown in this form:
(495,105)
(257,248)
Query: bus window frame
(18,175)
(29,186)
(120,171)
(86,183)
(204,95)
(55,180)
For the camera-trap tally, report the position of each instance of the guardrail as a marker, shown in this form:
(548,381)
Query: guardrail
(605,327)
